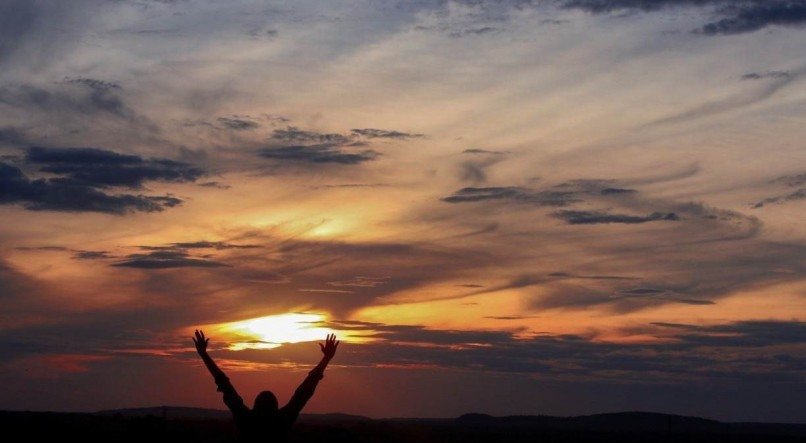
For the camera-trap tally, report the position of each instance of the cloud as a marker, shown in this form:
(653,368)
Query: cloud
(318,147)
(101,168)
(473,31)
(91,255)
(166,259)
(790,181)
(238,124)
(321,153)
(768,74)
(361,282)
(322,147)
(740,16)
(512,193)
(41,248)
(567,275)
(17,18)
(296,135)
(752,16)
(214,184)
(599,217)
(11,135)
(383,133)
(83,177)
(563,194)
(762,92)
(82,96)
(177,255)
(800,194)
(745,350)
(483,151)
(59,194)
(474,168)
(203,244)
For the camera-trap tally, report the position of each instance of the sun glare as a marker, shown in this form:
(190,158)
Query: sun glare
(273,331)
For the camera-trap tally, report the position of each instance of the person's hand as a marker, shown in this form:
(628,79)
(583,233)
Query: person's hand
(200,342)
(329,348)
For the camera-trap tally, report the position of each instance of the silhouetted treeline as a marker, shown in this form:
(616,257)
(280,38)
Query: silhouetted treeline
(172,425)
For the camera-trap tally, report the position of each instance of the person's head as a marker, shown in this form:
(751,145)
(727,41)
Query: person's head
(265,403)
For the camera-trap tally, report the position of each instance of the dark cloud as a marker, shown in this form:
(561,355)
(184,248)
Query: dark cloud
(657,295)
(800,194)
(321,153)
(101,168)
(599,217)
(166,259)
(295,135)
(589,277)
(643,291)
(790,181)
(603,6)
(510,317)
(513,193)
(616,191)
(793,180)
(83,176)
(361,282)
(483,151)
(214,184)
(91,255)
(218,245)
(262,33)
(316,147)
(473,31)
(17,18)
(383,133)
(563,194)
(474,168)
(238,124)
(768,74)
(320,147)
(739,16)
(82,96)
(11,135)
(41,248)
(59,194)
(755,15)
(93,83)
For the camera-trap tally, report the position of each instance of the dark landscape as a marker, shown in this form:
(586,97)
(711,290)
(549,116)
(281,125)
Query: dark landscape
(179,424)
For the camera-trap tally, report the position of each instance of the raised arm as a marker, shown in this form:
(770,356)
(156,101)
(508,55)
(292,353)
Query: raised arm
(231,398)
(305,391)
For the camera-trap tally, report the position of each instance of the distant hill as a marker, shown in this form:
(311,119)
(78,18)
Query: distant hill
(178,424)
(630,422)
(186,413)
(169,412)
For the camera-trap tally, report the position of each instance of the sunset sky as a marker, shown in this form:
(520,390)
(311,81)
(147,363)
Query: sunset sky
(510,207)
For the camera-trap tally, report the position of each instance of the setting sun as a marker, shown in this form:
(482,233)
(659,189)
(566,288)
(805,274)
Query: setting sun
(274,330)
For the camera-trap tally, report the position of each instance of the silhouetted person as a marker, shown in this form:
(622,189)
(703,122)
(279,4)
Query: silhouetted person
(265,421)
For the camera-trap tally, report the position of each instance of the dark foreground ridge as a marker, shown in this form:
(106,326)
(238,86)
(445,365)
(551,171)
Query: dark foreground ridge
(180,424)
